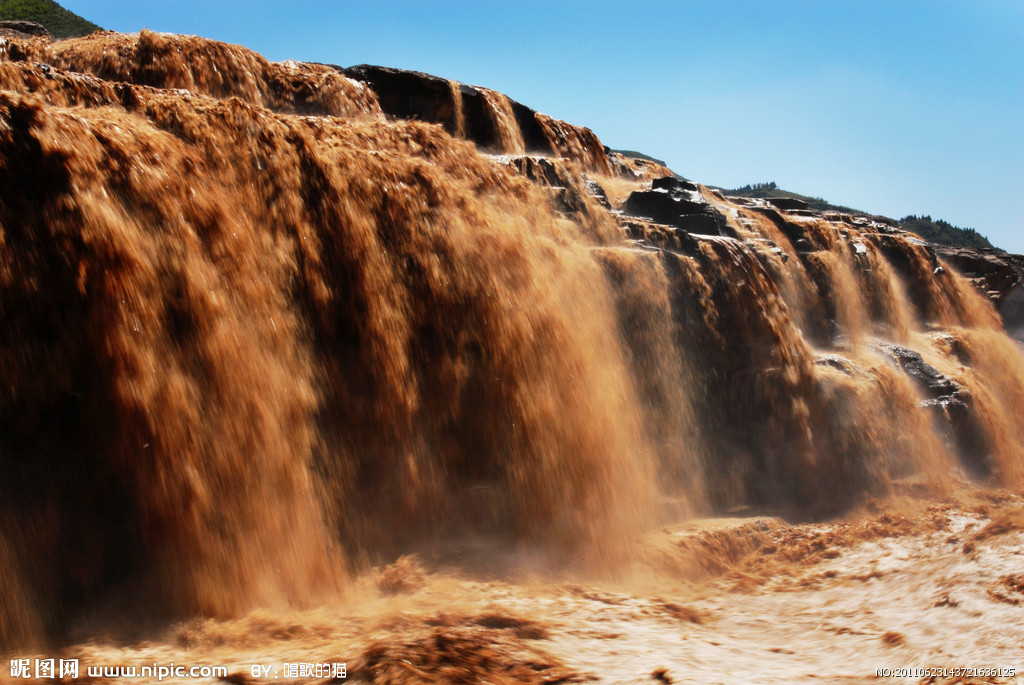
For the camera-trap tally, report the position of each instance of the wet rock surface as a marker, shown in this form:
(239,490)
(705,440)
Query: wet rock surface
(677,203)
(996,273)
(999,275)
(952,407)
(493,121)
(934,385)
(570,193)
(650,235)
(408,94)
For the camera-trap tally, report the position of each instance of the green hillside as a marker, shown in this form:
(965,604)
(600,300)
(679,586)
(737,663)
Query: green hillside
(937,231)
(58,21)
(770,189)
(944,233)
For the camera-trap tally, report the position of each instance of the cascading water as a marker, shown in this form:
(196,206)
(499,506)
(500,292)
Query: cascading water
(248,351)
(459,128)
(504,121)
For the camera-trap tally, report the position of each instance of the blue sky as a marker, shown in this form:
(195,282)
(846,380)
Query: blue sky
(894,107)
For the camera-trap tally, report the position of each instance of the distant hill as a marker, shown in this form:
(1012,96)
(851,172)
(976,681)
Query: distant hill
(937,231)
(60,22)
(770,189)
(944,233)
(638,155)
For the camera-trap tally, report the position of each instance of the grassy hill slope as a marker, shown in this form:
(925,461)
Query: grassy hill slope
(58,21)
(944,233)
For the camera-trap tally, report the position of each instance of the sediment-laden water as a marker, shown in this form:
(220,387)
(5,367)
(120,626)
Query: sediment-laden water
(289,379)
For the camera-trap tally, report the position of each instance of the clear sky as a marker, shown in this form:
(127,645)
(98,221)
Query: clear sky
(894,107)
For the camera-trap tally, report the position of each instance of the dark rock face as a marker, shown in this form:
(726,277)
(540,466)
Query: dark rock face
(934,385)
(542,171)
(569,192)
(653,236)
(677,203)
(998,275)
(408,94)
(787,203)
(493,121)
(28,28)
(952,408)
(415,95)
(671,183)
(993,272)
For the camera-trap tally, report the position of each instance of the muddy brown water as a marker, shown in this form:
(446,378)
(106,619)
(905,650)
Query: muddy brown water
(287,381)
